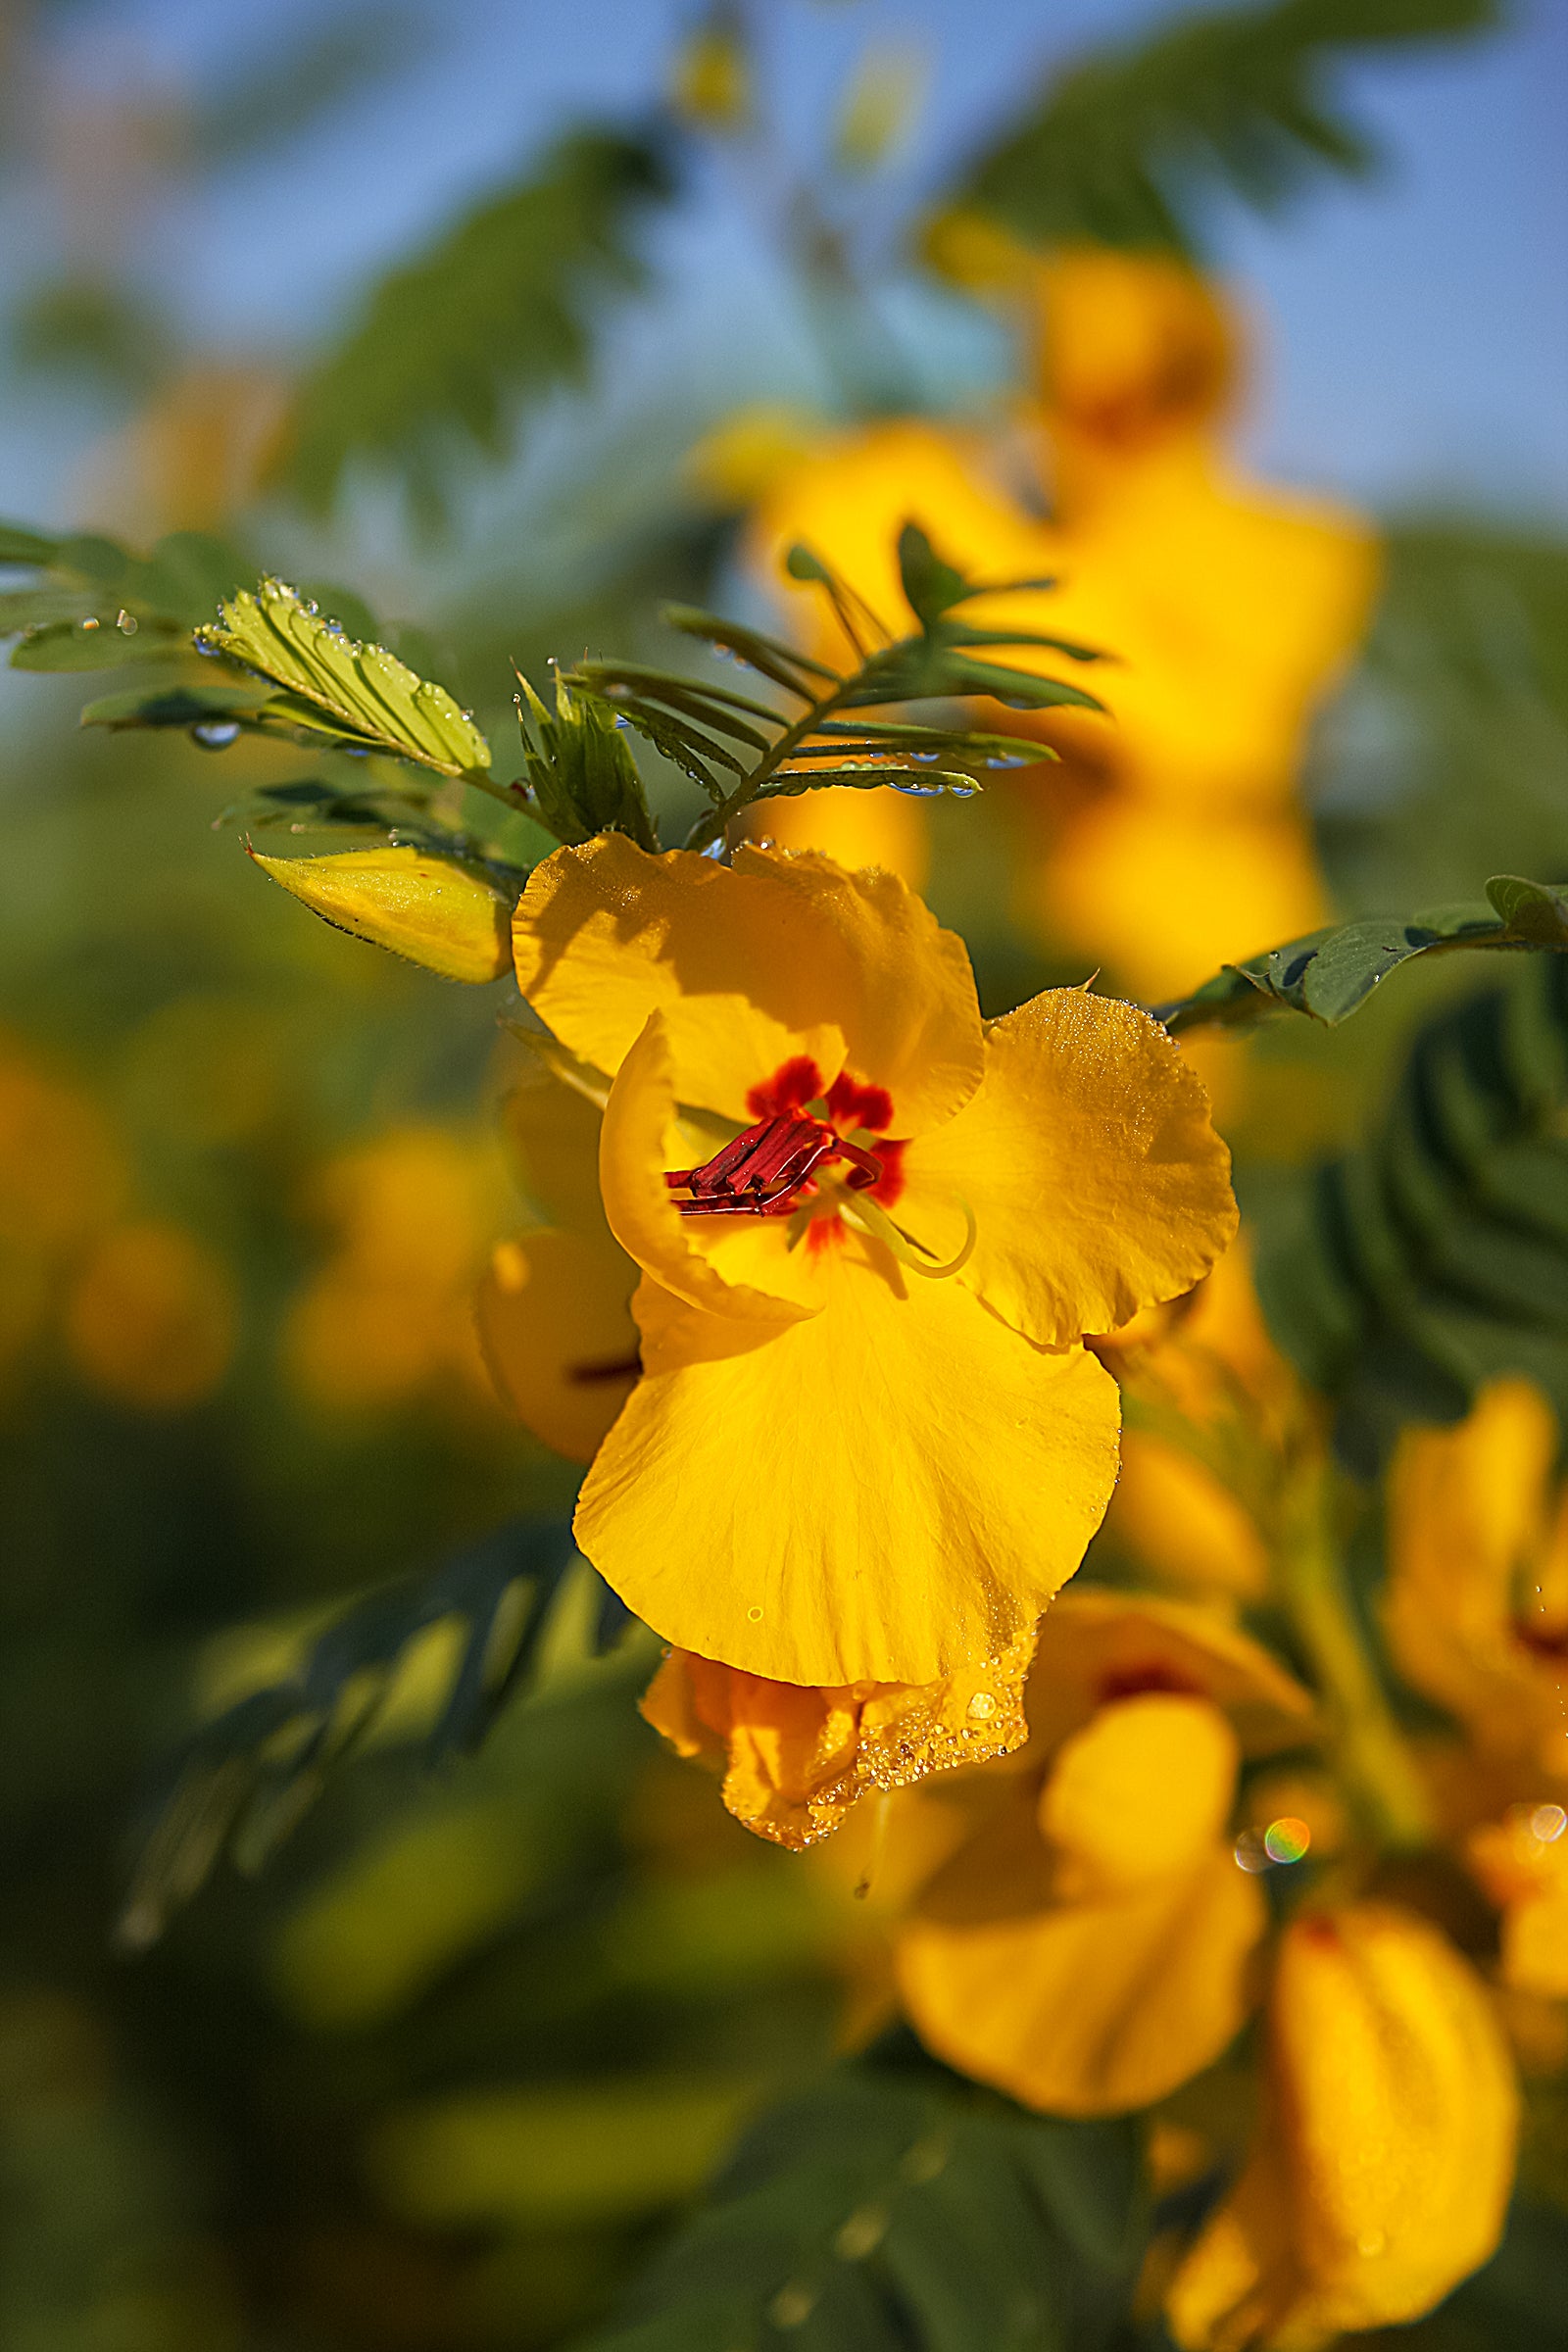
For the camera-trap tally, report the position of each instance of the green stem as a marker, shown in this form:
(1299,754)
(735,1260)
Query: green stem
(1368,1743)
(790,741)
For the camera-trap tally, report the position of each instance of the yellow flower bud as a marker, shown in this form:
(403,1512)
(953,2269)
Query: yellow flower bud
(447,916)
(1382,2171)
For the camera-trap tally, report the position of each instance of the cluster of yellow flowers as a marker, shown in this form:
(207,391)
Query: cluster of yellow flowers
(846,1442)
(840,1291)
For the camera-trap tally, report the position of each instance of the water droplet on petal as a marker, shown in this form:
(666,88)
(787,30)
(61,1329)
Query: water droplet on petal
(756,1616)
(982,1706)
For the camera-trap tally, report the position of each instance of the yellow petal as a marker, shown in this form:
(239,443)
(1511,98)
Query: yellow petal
(436,912)
(1144,1790)
(555,1323)
(1095,1647)
(151,1317)
(797,1758)
(1385,2164)
(553,1130)
(1131,346)
(1080,2008)
(607,935)
(1094,1178)
(714,1050)
(1522,1862)
(890,1491)
(1470,1540)
(1162,896)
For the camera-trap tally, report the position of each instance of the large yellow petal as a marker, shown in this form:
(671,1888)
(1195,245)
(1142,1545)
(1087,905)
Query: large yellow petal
(1087,1160)
(1162,896)
(1471,1551)
(855,826)
(556,1327)
(712,1050)
(1079,2008)
(605,935)
(888,1491)
(1385,2165)
(1145,1788)
(796,1757)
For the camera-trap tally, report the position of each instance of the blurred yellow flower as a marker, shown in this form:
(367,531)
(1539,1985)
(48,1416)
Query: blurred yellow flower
(390,1316)
(1210,1408)
(555,1304)
(151,1317)
(1477,1606)
(1090,1944)
(1522,1862)
(798,1052)
(63,1178)
(1170,844)
(1381,2172)
(796,1758)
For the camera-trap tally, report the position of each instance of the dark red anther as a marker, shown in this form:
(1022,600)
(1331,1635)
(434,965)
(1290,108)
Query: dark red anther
(763,1171)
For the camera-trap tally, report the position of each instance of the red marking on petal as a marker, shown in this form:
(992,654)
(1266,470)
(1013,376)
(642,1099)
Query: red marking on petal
(793,1085)
(1140,1682)
(824,1234)
(1541,1640)
(851,1103)
(891,1184)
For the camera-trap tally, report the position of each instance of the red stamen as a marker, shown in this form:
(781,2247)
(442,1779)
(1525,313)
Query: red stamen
(764,1172)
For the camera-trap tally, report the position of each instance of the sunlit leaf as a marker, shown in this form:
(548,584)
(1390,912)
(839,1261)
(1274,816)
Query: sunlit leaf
(377,700)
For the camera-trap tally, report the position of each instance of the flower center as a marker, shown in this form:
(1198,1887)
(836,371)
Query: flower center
(765,1170)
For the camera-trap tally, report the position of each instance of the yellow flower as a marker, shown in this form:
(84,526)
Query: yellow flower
(388,1319)
(796,1758)
(1170,842)
(1092,1944)
(1212,1409)
(839,1466)
(151,1318)
(1381,2172)
(555,1304)
(1522,1862)
(1478,1594)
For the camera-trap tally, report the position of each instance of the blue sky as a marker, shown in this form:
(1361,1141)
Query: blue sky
(1414,335)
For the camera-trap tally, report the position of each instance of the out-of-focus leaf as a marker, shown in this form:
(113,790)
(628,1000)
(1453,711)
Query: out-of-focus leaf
(377,700)
(496,312)
(313,71)
(247,1779)
(897,2209)
(1122,148)
(92,332)
(18,545)
(1402,1275)
(95,644)
(1330,973)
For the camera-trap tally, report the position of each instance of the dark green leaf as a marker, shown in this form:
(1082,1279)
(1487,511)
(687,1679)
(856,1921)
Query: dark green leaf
(895,2206)
(1124,148)
(1434,1256)
(18,545)
(95,645)
(246,1778)
(497,312)
(930,586)
(583,777)
(790,783)
(1329,973)
(766,654)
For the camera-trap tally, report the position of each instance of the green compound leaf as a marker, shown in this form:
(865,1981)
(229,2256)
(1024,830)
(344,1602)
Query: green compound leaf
(897,2209)
(245,1781)
(497,312)
(1329,973)
(1404,1274)
(359,695)
(1125,147)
